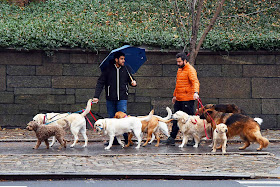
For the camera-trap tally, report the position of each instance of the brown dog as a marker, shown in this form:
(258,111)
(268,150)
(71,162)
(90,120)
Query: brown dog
(238,124)
(44,132)
(151,127)
(226,108)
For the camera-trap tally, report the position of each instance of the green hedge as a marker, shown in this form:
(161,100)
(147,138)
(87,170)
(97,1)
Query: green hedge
(107,24)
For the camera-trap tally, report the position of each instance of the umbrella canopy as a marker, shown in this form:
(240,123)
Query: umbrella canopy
(134,58)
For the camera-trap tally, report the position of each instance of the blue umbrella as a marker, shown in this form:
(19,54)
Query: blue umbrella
(134,58)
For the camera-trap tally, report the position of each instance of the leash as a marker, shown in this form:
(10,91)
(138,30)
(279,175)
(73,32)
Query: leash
(200,102)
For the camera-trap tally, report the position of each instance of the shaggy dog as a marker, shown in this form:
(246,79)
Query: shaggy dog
(43,132)
(151,127)
(238,124)
(191,126)
(117,127)
(76,121)
(219,135)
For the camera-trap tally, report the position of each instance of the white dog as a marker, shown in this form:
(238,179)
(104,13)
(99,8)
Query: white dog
(220,135)
(117,127)
(191,126)
(76,121)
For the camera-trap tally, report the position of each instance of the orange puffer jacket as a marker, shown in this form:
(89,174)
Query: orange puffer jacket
(186,83)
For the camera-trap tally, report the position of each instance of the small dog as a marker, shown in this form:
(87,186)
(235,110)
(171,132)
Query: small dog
(77,122)
(117,127)
(151,127)
(191,126)
(43,132)
(238,124)
(219,135)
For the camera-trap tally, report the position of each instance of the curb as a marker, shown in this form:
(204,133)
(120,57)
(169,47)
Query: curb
(121,176)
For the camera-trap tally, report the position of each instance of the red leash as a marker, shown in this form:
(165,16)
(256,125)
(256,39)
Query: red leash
(199,102)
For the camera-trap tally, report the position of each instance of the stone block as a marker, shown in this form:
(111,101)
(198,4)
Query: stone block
(156,82)
(61,99)
(271,106)
(143,99)
(6,97)
(169,70)
(80,58)
(232,70)
(19,109)
(31,99)
(154,92)
(208,70)
(159,104)
(93,58)
(20,70)
(266,59)
(278,122)
(48,108)
(73,108)
(57,57)
(160,58)
(81,70)
(82,95)
(138,108)
(269,121)
(265,88)
(261,71)
(249,106)
(2,78)
(70,91)
(49,69)
(38,91)
(149,71)
(215,87)
(277,59)
(15,121)
(29,81)
(226,59)
(74,82)
(21,58)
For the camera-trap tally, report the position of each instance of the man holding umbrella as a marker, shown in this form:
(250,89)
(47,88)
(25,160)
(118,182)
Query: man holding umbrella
(115,77)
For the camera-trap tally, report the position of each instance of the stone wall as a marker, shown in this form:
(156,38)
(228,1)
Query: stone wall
(31,83)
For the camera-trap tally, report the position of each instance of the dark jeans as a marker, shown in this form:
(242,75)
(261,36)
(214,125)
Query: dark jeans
(185,106)
(112,108)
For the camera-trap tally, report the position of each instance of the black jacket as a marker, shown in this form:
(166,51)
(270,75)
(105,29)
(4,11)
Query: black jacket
(116,82)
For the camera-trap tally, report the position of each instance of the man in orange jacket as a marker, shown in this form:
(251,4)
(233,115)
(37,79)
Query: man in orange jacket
(185,93)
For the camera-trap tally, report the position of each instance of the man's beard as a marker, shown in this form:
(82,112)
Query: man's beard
(181,66)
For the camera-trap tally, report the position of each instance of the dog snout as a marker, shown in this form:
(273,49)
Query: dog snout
(226,130)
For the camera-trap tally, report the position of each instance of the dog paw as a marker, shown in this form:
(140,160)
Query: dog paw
(137,147)
(213,151)
(84,145)
(107,148)
(196,146)
(181,146)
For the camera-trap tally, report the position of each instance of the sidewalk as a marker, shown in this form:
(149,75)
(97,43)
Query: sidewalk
(147,163)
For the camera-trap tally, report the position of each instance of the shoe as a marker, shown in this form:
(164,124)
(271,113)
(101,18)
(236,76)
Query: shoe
(169,141)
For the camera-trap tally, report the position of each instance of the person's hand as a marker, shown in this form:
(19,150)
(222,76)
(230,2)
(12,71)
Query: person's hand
(95,100)
(195,96)
(133,83)
(173,100)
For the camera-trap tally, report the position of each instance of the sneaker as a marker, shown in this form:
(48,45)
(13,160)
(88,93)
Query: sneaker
(169,141)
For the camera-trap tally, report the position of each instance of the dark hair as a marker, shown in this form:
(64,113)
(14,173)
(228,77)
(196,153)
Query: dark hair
(183,56)
(118,54)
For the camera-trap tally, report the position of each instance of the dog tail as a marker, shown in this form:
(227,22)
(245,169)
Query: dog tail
(261,140)
(149,117)
(165,119)
(87,110)
(259,120)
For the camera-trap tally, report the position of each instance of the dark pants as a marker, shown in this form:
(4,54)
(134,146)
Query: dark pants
(185,106)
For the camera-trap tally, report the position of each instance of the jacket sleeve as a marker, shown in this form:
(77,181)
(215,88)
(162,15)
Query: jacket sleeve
(100,84)
(193,78)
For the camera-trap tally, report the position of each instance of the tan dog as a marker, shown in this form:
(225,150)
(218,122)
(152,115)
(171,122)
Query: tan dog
(226,108)
(191,127)
(151,127)
(238,124)
(43,132)
(219,135)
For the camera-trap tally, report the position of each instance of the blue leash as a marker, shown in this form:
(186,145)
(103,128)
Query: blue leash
(69,113)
